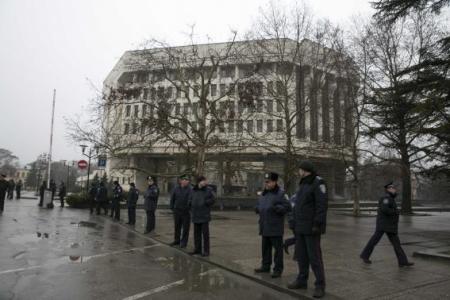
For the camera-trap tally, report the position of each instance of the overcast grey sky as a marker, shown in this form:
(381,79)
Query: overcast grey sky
(47,44)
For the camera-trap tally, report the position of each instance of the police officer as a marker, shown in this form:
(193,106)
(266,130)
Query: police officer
(3,189)
(18,189)
(92,195)
(53,188)
(200,202)
(62,193)
(179,205)
(272,207)
(309,222)
(115,204)
(102,198)
(11,187)
(133,196)
(150,203)
(387,222)
(42,192)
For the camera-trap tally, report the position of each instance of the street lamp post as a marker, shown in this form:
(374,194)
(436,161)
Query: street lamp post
(66,163)
(89,156)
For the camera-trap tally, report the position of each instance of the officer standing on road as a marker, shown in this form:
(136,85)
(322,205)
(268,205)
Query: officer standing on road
(133,196)
(387,222)
(115,204)
(3,189)
(62,193)
(179,204)
(150,203)
(102,198)
(309,222)
(272,207)
(18,189)
(42,192)
(200,202)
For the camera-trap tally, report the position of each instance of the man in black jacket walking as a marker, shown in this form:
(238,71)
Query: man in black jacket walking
(179,205)
(387,222)
(272,207)
(309,223)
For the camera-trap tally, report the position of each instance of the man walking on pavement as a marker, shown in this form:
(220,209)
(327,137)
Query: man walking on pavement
(200,202)
(387,222)
(133,196)
(115,204)
(18,189)
(3,188)
(150,203)
(272,207)
(309,222)
(62,193)
(180,208)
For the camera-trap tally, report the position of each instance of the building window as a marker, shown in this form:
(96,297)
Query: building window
(126,129)
(135,128)
(259,106)
(270,88)
(230,126)
(240,126)
(221,126)
(250,125)
(279,107)
(136,111)
(145,93)
(196,90)
(269,106)
(279,125)
(142,129)
(223,89)
(186,108)
(169,92)
(178,92)
(160,93)
(259,125)
(280,88)
(177,109)
(269,125)
(195,107)
(231,109)
(213,90)
(231,89)
(127,110)
(152,94)
(227,71)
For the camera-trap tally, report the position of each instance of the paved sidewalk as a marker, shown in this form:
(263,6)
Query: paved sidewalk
(235,245)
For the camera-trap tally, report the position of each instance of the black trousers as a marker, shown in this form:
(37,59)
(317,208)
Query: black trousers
(132,215)
(18,194)
(182,221)
(395,241)
(309,253)
(150,226)
(269,242)
(62,201)
(201,232)
(2,200)
(102,204)
(115,209)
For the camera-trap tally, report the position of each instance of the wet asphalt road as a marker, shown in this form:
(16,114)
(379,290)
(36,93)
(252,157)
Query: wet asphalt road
(69,254)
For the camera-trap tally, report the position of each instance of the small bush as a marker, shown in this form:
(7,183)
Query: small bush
(77,200)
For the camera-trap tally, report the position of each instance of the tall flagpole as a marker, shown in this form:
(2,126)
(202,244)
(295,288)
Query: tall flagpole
(51,141)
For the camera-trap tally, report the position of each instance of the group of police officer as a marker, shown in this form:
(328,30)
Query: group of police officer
(306,211)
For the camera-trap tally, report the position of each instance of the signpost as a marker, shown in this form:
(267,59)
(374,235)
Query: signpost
(101,162)
(82,164)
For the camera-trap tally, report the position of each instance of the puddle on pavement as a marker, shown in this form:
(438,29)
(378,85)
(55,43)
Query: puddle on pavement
(85,224)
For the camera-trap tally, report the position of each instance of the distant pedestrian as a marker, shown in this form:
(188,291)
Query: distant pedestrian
(11,187)
(179,204)
(62,193)
(272,207)
(200,202)
(387,223)
(101,198)
(150,203)
(133,196)
(115,203)
(52,189)
(3,189)
(18,189)
(91,197)
(42,192)
(309,223)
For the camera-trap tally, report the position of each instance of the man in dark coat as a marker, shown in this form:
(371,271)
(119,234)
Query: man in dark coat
(11,186)
(92,194)
(309,223)
(133,196)
(102,198)
(42,192)
(53,188)
(115,204)
(387,222)
(3,189)
(200,202)
(150,203)
(179,204)
(18,189)
(62,193)
(272,207)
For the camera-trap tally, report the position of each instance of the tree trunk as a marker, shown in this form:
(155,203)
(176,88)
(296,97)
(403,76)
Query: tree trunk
(355,198)
(406,191)
(200,165)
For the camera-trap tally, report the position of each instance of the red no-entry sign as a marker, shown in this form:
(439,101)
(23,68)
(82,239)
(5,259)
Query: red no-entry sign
(82,164)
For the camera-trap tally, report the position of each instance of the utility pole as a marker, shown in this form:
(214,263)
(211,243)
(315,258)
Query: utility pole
(51,141)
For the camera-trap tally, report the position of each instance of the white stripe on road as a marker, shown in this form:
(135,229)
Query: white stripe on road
(60,261)
(155,290)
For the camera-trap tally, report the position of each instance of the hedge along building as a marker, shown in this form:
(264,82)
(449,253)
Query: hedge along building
(231,111)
